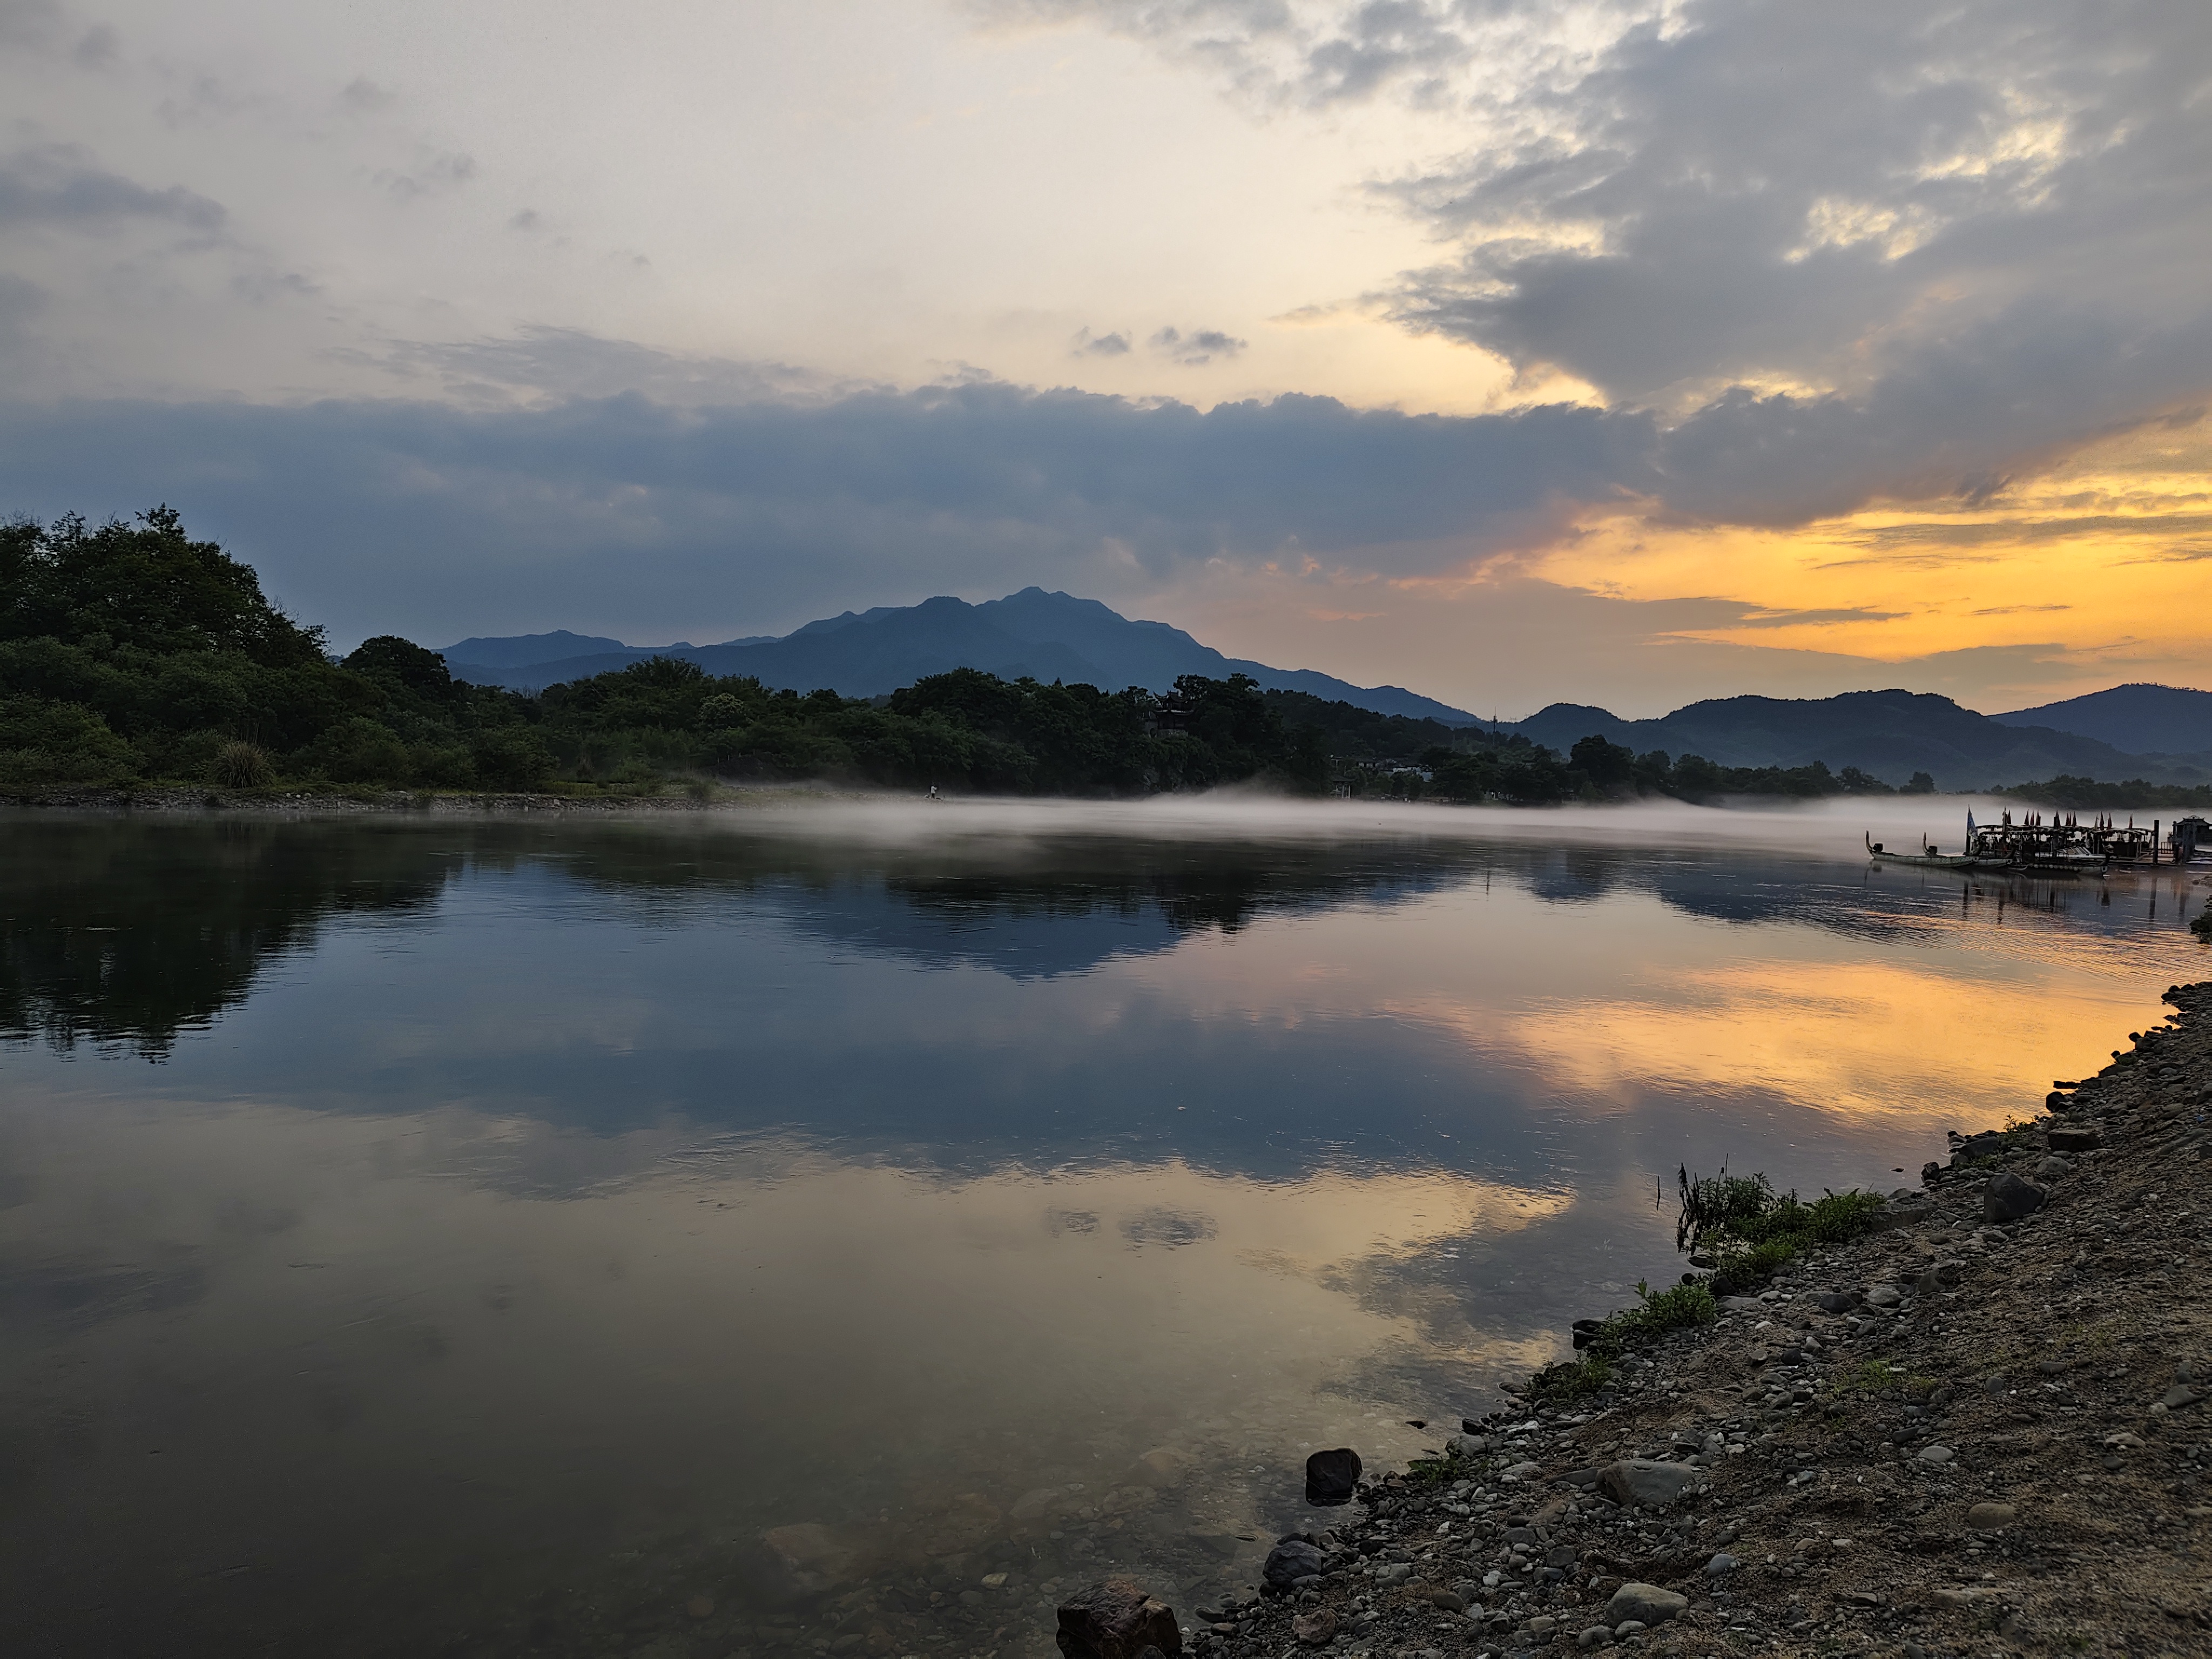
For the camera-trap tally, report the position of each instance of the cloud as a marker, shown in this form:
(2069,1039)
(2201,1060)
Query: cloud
(1873,251)
(1196,348)
(420,515)
(539,365)
(29,23)
(1102,345)
(97,48)
(434,175)
(363,96)
(59,185)
(1762,619)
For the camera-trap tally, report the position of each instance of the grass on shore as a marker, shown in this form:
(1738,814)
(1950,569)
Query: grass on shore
(1749,1230)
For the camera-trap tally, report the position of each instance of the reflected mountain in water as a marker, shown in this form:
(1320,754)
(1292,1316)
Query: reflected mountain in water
(129,932)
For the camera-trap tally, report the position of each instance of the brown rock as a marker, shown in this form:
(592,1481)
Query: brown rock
(1162,1466)
(799,1563)
(1117,1620)
(2073,1141)
(1317,1629)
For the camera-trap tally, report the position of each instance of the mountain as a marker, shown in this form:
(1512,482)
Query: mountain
(1891,734)
(524,648)
(1046,636)
(2143,719)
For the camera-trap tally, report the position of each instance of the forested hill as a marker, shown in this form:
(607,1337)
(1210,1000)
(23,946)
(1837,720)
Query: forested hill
(133,655)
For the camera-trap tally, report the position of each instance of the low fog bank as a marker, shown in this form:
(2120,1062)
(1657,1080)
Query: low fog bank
(1834,827)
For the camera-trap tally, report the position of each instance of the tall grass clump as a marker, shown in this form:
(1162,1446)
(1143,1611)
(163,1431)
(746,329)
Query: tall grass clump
(1748,1231)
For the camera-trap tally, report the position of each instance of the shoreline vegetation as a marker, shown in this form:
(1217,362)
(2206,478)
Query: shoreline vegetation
(136,663)
(1965,1418)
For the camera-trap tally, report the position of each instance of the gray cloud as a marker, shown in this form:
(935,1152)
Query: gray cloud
(1870,250)
(97,48)
(363,96)
(29,23)
(434,175)
(59,185)
(1087,344)
(1196,348)
(425,517)
(538,365)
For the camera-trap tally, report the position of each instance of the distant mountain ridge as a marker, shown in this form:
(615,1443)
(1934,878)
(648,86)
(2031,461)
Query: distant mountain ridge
(2142,718)
(1890,734)
(1046,636)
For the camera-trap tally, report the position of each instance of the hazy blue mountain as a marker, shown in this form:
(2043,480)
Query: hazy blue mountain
(1891,734)
(2143,719)
(516,659)
(1047,636)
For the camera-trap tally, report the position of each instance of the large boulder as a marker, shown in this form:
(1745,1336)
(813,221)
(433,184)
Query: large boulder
(2007,1198)
(1115,1620)
(1291,1561)
(2075,1141)
(1332,1476)
(1642,1480)
(1647,1604)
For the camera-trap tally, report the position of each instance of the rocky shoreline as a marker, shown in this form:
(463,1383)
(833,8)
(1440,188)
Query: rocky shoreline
(1981,1428)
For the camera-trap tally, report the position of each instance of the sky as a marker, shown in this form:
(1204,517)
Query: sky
(1513,352)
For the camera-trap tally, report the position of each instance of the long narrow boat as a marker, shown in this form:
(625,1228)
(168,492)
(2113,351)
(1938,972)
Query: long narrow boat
(1927,858)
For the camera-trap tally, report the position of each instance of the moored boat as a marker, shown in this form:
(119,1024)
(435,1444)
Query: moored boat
(1928,858)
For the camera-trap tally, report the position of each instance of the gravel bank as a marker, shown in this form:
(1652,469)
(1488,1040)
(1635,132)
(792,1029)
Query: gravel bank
(1958,1435)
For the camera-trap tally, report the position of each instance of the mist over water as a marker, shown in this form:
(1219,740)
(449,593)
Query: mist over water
(471,1236)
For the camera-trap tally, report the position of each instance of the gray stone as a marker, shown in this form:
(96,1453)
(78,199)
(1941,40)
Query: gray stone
(1522,1471)
(2007,1198)
(2178,1395)
(1597,1636)
(1838,1302)
(1721,1565)
(1645,1603)
(1883,1296)
(1468,1445)
(1991,1517)
(1634,1480)
(1332,1476)
(1291,1561)
(2082,1139)
(1936,1454)
(2052,1168)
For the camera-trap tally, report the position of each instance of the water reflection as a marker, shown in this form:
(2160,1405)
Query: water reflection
(535,1233)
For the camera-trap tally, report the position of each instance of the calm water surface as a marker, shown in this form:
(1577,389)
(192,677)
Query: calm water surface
(472,1236)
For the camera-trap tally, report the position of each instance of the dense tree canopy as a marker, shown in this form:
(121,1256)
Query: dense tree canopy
(130,653)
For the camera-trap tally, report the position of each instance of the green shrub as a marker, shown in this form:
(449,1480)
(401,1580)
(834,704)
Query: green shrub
(511,756)
(356,750)
(243,766)
(43,742)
